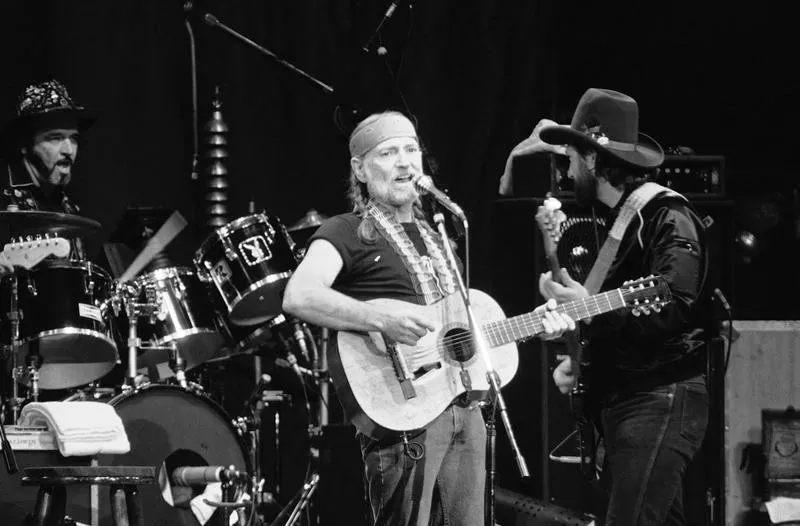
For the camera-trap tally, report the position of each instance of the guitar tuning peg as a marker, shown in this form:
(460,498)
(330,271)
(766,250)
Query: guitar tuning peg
(636,312)
(656,307)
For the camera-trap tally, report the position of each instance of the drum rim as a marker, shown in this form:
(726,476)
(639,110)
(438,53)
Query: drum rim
(70,331)
(225,230)
(68,263)
(165,272)
(269,280)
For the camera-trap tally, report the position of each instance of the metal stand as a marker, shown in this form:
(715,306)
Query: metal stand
(13,317)
(482,348)
(178,364)
(299,501)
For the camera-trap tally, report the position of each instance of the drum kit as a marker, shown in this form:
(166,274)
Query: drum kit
(68,323)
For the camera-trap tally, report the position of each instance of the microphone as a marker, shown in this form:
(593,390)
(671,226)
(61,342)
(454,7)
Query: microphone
(386,16)
(722,300)
(299,336)
(202,475)
(425,186)
(291,361)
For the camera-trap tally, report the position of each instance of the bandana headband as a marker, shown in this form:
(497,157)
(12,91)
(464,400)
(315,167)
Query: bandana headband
(385,126)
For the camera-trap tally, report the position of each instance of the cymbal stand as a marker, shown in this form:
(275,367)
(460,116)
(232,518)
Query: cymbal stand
(8,453)
(16,370)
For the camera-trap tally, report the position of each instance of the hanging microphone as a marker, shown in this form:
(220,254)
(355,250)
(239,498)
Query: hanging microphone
(425,186)
(202,475)
(386,16)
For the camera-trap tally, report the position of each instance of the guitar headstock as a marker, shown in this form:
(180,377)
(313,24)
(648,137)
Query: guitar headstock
(645,295)
(550,217)
(30,252)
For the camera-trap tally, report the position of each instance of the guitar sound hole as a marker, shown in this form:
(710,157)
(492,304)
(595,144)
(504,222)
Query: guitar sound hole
(458,343)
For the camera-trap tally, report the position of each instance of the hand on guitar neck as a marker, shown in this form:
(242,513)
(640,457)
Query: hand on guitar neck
(559,285)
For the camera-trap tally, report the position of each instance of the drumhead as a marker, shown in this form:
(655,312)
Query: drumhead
(225,231)
(169,426)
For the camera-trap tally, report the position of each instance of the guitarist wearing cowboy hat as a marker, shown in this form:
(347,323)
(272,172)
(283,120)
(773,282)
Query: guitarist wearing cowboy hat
(386,248)
(647,373)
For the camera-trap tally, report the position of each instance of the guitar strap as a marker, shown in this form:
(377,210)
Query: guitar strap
(631,208)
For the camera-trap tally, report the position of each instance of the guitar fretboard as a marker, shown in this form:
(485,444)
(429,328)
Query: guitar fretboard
(530,324)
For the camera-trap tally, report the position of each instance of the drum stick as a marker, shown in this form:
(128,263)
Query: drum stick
(171,228)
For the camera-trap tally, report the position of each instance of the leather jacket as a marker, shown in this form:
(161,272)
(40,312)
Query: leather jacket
(631,353)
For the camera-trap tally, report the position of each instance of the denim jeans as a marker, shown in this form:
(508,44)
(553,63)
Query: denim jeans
(438,478)
(650,439)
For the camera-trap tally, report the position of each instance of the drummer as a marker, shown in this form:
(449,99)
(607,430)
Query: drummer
(40,146)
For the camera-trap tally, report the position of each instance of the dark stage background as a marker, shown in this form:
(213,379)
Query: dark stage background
(477,76)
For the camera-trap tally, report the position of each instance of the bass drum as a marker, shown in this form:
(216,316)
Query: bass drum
(169,426)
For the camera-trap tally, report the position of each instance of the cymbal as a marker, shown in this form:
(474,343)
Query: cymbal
(312,219)
(31,222)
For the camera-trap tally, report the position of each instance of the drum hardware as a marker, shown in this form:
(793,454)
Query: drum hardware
(8,452)
(229,478)
(178,365)
(299,501)
(249,428)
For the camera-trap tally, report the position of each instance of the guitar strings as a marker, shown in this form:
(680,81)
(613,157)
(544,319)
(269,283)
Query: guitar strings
(527,321)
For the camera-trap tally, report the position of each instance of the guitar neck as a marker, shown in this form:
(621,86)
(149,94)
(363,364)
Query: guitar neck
(530,324)
(555,267)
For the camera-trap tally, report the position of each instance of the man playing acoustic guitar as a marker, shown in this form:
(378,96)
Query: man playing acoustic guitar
(387,249)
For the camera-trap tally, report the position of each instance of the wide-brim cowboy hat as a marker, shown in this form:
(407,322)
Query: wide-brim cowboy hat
(608,121)
(41,105)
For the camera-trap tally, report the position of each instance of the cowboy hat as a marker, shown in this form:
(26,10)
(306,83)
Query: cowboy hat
(37,104)
(608,121)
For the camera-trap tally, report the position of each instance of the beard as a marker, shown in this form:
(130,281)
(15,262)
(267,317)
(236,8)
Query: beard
(585,184)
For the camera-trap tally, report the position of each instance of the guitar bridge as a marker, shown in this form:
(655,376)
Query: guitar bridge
(425,369)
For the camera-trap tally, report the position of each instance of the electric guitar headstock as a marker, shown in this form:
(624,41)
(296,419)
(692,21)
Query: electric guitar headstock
(30,252)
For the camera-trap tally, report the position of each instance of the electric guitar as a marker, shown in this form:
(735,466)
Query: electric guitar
(27,254)
(390,387)
(550,219)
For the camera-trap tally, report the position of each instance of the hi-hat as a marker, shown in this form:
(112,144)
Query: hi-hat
(33,222)
(312,219)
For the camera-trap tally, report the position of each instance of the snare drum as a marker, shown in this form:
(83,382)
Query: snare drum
(62,311)
(182,317)
(249,262)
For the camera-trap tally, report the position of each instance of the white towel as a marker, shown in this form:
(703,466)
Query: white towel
(80,428)
(783,510)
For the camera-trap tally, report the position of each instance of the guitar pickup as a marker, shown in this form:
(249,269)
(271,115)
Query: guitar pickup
(400,370)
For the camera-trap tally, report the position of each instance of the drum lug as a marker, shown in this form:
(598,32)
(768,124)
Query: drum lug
(230,252)
(32,287)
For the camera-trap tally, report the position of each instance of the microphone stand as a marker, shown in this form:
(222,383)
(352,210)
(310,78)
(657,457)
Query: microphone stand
(496,397)
(213,21)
